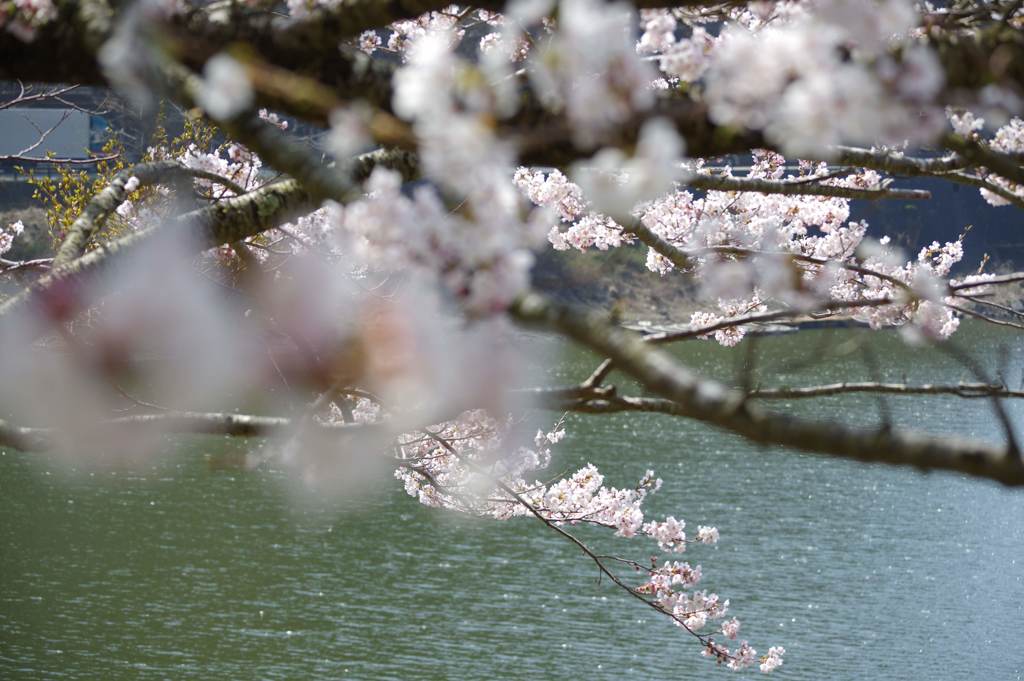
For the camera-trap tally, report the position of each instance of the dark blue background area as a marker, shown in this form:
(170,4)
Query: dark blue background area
(914,224)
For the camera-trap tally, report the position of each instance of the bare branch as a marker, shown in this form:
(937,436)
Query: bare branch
(180,422)
(966,390)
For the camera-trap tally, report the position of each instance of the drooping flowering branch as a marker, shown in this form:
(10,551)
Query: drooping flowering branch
(452,467)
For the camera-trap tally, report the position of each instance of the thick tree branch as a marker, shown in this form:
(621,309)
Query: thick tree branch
(110,197)
(678,258)
(687,394)
(224,222)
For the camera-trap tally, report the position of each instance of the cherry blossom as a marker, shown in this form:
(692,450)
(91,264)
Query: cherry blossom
(591,70)
(794,81)
(8,235)
(226,90)
(752,250)
(22,18)
(730,628)
(617,183)
(773,660)
(1008,139)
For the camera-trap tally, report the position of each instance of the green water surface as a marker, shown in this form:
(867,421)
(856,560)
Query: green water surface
(861,572)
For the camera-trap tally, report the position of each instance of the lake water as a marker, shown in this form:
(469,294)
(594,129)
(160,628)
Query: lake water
(861,572)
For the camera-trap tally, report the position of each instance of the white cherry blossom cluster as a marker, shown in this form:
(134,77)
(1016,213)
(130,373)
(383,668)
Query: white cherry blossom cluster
(773,660)
(232,162)
(671,588)
(585,65)
(466,464)
(974,284)
(315,233)
(744,656)
(225,90)
(616,182)
(22,18)
(1009,139)
(583,498)
(965,123)
(584,228)
(691,610)
(828,77)
(590,69)
(767,228)
(509,41)
(482,266)
(300,9)
(8,234)
(922,310)
(728,309)
(469,229)
(273,118)
(669,534)
(685,58)
(457,464)
(671,574)
(505,46)
(749,250)
(402,34)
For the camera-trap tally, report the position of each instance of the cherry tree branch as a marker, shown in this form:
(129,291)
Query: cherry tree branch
(224,222)
(824,311)
(966,390)
(982,183)
(7,266)
(99,208)
(686,394)
(800,188)
(898,163)
(584,398)
(979,153)
(998,280)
